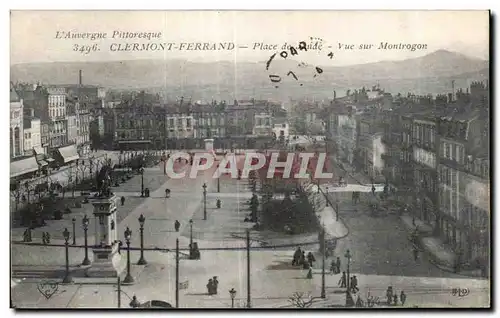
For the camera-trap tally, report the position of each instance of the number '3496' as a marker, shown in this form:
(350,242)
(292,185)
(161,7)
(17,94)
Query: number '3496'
(85,49)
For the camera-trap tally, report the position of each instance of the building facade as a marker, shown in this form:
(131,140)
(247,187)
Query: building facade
(16,124)
(32,136)
(369,147)
(57,116)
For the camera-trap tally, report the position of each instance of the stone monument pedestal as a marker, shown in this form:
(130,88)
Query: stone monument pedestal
(106,257)
(106,262)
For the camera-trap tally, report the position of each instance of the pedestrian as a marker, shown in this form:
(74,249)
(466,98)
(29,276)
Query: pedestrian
(216,284)
(47,237)
(333,267)
(338,265)
(177,225)
(395,299)
(311,259)
(309,273)
(296,256)
(44,240)
(167,193)
(343,280)
(354,284)
(210,287)
(402,297)
(122,199)
(388,294)
(415,253)
(302,258)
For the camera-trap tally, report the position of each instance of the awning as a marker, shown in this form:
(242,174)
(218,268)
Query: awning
(134,141)
(20,167)
(68,153)
(49,160)
(42,163)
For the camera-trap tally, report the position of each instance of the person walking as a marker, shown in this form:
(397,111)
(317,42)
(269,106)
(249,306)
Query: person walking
(122,199)
(311,259)
(388,294)
(216,284)
(210,287)
(177,225)
(296,256)
(402,297)
(44,240)
(343,280)
(395,299)
(338,265)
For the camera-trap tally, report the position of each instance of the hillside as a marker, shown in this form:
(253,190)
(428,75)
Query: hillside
(428,73)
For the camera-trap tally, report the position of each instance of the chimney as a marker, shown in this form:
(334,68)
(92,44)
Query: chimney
(79,77)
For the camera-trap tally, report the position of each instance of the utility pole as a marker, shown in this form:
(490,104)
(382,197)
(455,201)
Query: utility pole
(119,292)
(177,273)
(323,287)
(249,304)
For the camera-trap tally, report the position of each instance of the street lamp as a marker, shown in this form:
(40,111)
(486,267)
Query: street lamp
(232,293)
(67,278)
(323,287)
(142,261)
(348,256)
(326,195)
(85,224)
(73,221)
(128,279)
(337,208)
(142,181)
(218,181)
(191,237)
(204,201)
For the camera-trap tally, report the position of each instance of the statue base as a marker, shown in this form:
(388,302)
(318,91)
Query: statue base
(106,262)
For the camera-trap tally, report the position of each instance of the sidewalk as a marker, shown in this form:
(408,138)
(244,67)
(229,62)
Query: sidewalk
(441,255)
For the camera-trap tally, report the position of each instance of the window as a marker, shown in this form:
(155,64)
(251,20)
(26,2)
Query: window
(179,121)
(188,122)
(171,122)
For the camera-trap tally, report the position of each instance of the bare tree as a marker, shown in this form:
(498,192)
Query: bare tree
(299,300)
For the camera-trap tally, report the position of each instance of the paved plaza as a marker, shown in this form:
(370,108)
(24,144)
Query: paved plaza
(379,247)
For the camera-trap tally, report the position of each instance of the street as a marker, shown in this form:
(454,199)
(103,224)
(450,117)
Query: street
(379,248)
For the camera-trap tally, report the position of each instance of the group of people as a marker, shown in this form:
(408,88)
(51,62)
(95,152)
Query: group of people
(212,285)
(353,284)
(300,259)
(392,297)
(27,236)
(335,266)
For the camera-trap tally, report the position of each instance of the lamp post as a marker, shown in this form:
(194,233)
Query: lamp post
(67,278)
(232,293)
(326,195)
(73,221)
(337,208)
(190,238)
(142,261)
(323,250)
(128,279)
(348,256)
(142,181)
(85,224)
(204,201)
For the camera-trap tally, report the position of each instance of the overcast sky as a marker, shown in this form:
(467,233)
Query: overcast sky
(33,33)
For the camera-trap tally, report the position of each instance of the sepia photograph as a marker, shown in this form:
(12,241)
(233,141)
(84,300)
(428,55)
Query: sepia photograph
(250,160)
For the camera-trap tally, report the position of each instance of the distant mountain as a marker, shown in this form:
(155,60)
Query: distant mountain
(247,79)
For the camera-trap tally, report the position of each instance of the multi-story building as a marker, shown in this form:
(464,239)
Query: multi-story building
(32,135)
(281,128)
(72,129)
(16,124)
(369,146)
(263,124)
(57,116)
(139,127)
(425,141)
